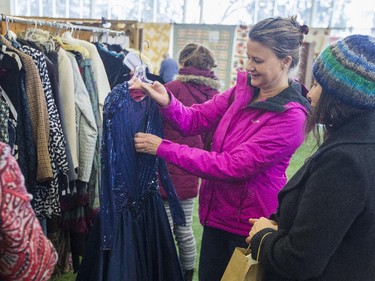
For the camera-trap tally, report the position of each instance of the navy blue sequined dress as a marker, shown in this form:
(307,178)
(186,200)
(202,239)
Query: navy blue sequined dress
(131,239)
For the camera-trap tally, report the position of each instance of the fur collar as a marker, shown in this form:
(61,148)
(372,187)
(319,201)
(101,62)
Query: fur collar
(214,84)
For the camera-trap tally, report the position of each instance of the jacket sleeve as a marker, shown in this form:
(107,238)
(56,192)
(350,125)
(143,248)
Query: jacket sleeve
(333,196)
(198,118)
(87,132)
(276,139)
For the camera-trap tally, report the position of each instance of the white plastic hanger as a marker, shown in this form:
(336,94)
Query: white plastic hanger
(6,51)
(140,71)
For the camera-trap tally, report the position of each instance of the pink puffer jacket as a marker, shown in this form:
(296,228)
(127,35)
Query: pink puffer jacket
(250,153)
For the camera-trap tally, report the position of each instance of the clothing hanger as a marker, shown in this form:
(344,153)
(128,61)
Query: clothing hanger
(6,51)
(135,64)
(6,26)
(141,70)
(11,36)
(42,37)
(67,35)
(141,73)
(107,37)
(94,36)
(69,43)
(78,32)
(29,33)
(50,43)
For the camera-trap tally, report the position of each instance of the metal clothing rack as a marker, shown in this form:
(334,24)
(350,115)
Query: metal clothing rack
(58,25)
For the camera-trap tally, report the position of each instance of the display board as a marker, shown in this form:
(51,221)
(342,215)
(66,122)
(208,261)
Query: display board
(218,38)
(239,51)
(159,36)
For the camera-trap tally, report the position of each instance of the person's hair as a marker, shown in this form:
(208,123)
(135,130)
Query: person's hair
(198,56)
(331,113)
(284,36)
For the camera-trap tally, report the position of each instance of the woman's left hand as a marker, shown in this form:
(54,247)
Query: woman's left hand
(258,225)
(147,143)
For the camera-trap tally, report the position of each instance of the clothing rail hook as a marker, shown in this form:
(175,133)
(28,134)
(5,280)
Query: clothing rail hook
(141,49)
(6,25)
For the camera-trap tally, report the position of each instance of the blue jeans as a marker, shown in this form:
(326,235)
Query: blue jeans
(216,250)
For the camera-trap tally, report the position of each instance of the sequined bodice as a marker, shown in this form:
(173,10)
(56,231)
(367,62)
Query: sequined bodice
(129,178)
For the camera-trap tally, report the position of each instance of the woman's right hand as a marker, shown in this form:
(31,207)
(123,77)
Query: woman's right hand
(156,91)
(260,224)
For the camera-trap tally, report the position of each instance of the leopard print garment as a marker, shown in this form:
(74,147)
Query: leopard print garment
(47,202)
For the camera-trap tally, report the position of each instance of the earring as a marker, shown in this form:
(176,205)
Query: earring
(330,124)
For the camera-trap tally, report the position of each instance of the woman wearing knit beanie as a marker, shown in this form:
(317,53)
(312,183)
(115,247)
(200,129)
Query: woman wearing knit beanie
(324,228)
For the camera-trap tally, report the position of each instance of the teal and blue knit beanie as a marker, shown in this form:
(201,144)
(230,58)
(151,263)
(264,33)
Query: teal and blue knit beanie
(346,69)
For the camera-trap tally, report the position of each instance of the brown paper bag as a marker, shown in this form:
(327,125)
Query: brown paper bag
(242,267)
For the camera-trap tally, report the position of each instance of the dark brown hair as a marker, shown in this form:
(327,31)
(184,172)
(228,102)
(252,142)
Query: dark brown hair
(331,113)
(284,36)
(198,56)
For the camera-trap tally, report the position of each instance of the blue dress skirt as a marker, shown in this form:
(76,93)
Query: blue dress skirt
(131,238)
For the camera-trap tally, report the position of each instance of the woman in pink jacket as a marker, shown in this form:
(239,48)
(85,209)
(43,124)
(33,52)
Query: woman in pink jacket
(258,124)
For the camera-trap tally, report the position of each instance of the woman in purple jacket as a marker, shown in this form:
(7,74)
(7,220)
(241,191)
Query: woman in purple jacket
(258,124)
(195,83)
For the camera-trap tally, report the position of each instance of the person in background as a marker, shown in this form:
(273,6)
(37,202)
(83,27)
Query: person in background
(324,227)
(25,252)
(168,68)
(258,124)
(195,84)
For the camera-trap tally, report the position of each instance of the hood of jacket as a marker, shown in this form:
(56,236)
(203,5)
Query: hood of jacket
(201,83)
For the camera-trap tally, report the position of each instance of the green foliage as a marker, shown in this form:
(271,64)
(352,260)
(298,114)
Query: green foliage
(302,153)
(70,276)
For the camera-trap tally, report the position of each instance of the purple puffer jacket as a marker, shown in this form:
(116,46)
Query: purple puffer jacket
(250,153)
(191,86)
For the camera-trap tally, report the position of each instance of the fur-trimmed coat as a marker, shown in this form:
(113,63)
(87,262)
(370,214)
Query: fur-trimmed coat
(191,86)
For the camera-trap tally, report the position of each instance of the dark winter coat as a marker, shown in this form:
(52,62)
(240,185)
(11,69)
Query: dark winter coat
(326,213)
